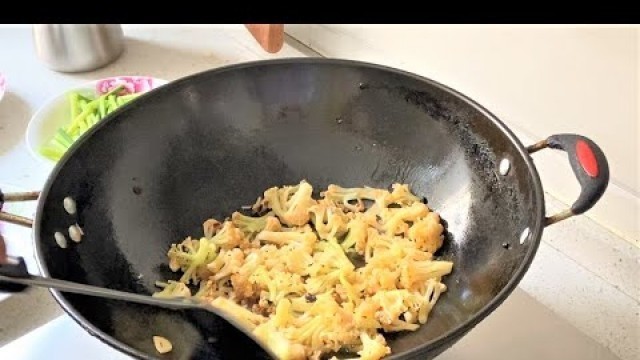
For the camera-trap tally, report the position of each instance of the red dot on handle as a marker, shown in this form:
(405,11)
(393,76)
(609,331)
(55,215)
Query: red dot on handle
(587,158)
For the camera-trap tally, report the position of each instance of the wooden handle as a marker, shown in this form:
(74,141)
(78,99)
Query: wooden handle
(269,36)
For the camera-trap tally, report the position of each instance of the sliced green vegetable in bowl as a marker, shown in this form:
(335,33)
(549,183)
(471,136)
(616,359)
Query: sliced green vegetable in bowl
(64,119)
(85,112)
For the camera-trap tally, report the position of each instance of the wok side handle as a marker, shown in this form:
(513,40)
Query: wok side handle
(16,197)
(589,165)
(12,218)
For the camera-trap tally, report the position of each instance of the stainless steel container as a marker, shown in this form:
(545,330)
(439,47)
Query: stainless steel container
(78,47)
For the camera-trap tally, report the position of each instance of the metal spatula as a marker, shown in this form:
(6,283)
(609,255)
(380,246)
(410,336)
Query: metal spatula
(14,277)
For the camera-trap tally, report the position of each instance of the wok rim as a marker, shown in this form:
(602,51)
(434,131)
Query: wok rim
(441,342)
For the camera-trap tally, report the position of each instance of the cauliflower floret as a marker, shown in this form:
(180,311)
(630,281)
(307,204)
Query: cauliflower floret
(286,275)
(249,225)
(426,233)
(228,237)
(394,220)
(373,348)
(401,195)
(306,240)
(328,220)
(345,197)
(330,258)
(392,304)
(290,203)
(365,315)
(172,289)
(416,273)
(211,227)
(357,236)
(297,260)
(227,263)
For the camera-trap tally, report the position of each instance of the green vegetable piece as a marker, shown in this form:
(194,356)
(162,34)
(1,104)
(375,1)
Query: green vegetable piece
(91,107)
(85,112)
(102,107)
(59,144)
(74,103)
(84,98)
(112,102)
(51,153)
(129,97)
(94,119)
(82,127)
(90,120)
(64,138)
(113,91)
(83,105)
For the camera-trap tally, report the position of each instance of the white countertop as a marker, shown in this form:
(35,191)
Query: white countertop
(520,329)
(555,313)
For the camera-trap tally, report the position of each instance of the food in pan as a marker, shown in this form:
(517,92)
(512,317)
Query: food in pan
(162,344)
(312,277)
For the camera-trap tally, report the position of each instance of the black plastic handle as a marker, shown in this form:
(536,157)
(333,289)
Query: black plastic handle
(589,165)
(13,268)
(9,266)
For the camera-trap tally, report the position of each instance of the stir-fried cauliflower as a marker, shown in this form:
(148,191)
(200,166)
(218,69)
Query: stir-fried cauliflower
(289,276)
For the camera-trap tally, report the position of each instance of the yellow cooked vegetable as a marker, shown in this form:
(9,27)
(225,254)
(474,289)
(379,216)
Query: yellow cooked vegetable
(288,276)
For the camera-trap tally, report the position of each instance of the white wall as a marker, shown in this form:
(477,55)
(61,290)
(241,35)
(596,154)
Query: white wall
(540,80)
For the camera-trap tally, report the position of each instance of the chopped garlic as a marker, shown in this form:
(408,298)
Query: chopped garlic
(75,233)
(162,345)
(61,240)
(69,205)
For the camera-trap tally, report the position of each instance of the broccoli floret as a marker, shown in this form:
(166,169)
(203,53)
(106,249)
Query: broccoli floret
(192,256)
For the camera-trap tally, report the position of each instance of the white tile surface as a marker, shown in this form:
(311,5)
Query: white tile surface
(523,329)
(509,333)
(542,79)
(585,300)
(595,249)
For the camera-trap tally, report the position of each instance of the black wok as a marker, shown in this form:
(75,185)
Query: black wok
(205,145)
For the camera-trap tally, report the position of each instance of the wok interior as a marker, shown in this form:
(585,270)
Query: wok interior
(206,145)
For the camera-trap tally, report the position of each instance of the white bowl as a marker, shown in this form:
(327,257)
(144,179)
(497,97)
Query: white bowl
(55,113)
